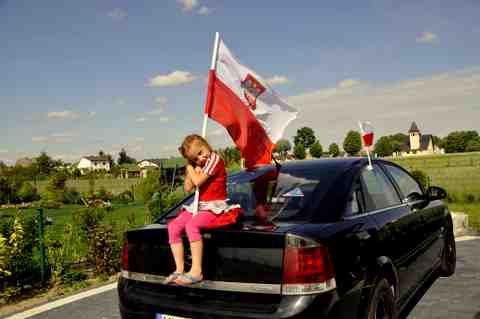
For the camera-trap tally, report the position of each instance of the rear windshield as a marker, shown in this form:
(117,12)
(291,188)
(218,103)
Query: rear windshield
(268,194)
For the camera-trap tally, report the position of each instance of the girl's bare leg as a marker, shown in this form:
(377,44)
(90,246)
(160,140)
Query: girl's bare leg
(177,252)
(197,252)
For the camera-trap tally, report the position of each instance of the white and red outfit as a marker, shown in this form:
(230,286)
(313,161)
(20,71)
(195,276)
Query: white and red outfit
(212,202)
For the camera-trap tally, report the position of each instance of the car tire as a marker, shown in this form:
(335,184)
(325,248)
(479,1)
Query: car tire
(381,302)
(449,254)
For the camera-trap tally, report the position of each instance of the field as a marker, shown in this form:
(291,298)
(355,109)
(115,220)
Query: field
(113,185)
(458,174)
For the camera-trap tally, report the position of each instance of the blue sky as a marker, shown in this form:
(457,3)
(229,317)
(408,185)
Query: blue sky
(75,77)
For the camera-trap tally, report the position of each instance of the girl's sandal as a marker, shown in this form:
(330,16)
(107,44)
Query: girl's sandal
(188,280)
(172,278)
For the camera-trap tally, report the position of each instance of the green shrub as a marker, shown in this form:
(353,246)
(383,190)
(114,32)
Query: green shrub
(149,185)
(421,177)
(72,196)
(27,193)
(124,197)
(71,277)
(102,250)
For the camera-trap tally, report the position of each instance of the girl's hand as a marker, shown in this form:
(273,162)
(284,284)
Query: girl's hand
(198,169)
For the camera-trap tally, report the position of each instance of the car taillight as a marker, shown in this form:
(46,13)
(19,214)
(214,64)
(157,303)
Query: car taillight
(307,267)
(125,255)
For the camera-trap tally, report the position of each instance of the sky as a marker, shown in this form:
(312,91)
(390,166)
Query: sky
(77,77)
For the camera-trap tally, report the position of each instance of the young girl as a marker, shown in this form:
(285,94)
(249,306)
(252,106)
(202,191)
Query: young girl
(206,171)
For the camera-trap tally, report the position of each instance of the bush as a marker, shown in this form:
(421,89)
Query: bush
(73,276)
(72,196)
(27,193)
(421,177)
(124,197)
(55,189)
(149,185)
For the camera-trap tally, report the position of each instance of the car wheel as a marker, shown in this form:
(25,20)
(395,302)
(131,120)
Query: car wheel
(381,303)
(449,254)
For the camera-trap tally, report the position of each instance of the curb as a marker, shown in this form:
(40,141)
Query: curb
(460,224)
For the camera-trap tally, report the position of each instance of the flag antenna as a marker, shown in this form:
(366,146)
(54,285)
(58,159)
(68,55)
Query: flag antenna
(367,148)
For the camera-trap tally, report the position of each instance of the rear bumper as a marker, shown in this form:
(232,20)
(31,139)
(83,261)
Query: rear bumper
(140,300)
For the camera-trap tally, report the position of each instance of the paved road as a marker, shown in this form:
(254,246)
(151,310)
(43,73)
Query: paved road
(457,297)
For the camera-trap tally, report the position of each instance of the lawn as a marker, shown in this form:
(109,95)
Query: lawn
(114,185)
(458,174)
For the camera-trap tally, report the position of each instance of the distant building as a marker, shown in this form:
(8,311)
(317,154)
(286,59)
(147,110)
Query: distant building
(419,144)
(24,162)
(94,163)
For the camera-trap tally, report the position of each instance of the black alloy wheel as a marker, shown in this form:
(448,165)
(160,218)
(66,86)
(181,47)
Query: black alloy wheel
(381,304)
(449,255)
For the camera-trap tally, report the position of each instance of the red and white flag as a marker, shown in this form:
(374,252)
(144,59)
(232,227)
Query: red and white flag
(243,102)
(367,133)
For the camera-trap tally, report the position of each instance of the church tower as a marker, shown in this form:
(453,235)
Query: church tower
(414,134)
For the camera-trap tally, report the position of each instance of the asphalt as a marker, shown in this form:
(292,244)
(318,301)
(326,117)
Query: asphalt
(456,297)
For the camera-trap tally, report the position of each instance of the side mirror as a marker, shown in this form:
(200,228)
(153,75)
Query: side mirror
(435,192)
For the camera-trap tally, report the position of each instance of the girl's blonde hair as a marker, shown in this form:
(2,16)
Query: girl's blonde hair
(189,140)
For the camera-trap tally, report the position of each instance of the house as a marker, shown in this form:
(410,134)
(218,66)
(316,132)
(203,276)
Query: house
(419,144)
(94,163)
(130,171)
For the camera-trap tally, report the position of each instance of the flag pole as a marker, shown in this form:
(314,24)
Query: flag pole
(370,167)
(213,67)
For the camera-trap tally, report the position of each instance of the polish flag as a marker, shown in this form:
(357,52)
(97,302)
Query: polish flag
(243,102)
(367,133)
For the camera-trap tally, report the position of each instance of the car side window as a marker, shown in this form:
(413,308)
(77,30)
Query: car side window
(378,190)
(407,184)
(355,204)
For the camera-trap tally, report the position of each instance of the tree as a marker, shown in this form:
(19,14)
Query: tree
(457,141)
(44,164)
(473,145)
(282,147)
(383,147)
(305,136)
(352,143)
(316,150)
(334,150)
(56,187)
(299,151)
(123,158)
(27,192)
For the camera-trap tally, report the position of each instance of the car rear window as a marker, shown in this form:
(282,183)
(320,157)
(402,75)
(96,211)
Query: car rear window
(268,194)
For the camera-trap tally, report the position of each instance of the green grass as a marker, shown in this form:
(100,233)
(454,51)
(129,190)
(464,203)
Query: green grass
(471,209)
(113,185)
(458,174)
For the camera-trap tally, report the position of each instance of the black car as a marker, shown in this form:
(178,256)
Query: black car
(330,238)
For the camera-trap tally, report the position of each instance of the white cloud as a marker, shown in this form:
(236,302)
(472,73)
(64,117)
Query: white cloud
(188,5)
(121,101)
(3,151)
(92,114)
(438,103)
(204,11)
(62,115)
(277,79)
(140,120)
(427,37)
(55,138)
(172,79)
(117,14)
(164,119)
